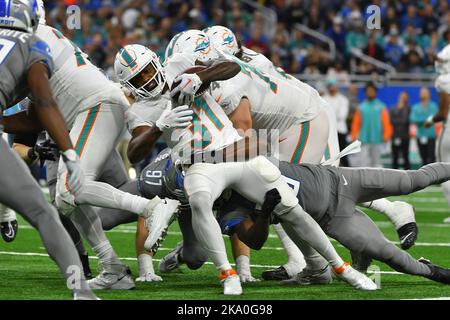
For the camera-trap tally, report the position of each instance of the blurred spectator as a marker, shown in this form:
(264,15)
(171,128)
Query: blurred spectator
(337,33)
(356,38)
(393,50)
(426,137)
(411,62)
(411,17)
(400,139)
(373,49)
(340,106)
(371,125)
(353,101)
(338,72)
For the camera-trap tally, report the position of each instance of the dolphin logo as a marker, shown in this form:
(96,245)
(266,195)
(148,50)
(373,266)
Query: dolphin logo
(203,45)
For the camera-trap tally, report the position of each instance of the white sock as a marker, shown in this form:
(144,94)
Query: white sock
(145,263)
(243,265)
(299,225)
(387,208)
(107,257)
(6,214)
(296,262)
(103,195)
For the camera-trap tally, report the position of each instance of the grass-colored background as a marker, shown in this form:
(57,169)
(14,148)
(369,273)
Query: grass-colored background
(37,277)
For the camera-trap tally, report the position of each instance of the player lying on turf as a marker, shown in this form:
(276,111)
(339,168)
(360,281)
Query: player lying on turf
(264,98)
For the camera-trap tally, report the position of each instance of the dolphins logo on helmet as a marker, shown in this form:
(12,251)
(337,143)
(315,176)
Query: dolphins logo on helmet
(202,45)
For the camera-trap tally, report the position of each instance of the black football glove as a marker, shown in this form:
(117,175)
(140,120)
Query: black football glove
(46,150)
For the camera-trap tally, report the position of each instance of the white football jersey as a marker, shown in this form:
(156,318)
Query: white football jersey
(276,102)
(77,84)
(210,129)
(442,84)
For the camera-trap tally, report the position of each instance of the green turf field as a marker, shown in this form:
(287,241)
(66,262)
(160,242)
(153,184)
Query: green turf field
(27,273)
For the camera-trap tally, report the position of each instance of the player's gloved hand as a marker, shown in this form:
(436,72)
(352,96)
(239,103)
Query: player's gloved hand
(245,278)
(179,117)
(188,86)
(46,150)
(76,176)
(272,198)
(149,277)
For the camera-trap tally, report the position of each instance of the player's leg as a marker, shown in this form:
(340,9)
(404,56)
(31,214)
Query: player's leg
(306,143)
(95,133)
(203,184)
(241,255)
(52,176)
(443,154)
(188,251)
(21,192)
(359,233)
(258,177)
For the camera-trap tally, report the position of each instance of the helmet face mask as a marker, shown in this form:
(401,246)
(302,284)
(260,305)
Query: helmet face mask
(138,68)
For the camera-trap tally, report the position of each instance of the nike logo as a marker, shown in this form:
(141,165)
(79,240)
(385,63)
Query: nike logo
(405,238)
(345,180)
(281,140)
(218,98)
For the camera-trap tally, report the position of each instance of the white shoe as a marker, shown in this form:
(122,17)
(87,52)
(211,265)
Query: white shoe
(170,262)
(149,277)
(447,220)
(231,283)
(355,278)
(158,223)
(108,280)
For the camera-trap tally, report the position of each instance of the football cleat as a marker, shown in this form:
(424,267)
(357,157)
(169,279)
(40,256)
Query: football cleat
(171,261)
(230,282)
(86,268)
(408,235)
(149,277)
(158,223)
(9,230)
(405,223)
(438,274)
(354,278)
(278,274)
(308,277)
(108,280)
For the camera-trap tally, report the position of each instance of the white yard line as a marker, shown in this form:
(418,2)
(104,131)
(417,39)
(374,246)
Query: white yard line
(36,254)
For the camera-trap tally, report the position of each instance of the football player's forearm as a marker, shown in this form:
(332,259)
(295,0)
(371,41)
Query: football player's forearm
(142,144)
(22,150)
(21,123)
(219,71)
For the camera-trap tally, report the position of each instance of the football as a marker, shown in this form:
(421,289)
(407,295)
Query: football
(191,70)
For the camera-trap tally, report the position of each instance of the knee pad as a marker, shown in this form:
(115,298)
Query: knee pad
(288,199)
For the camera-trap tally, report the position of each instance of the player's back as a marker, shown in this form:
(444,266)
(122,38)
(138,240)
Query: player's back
(211,128)
(18,52)
(77,84)
(276,103)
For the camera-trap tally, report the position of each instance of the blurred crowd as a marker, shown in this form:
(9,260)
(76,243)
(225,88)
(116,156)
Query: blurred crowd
(411,32)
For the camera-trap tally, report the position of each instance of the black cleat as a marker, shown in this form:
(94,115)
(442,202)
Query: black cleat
(438,274)
(408,235)
(9,230)
(86,268)
(278,274)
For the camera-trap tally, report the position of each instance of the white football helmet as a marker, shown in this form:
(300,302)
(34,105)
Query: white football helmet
(138,69)
(41,11)
(223,39)
(191,41)
(442,63)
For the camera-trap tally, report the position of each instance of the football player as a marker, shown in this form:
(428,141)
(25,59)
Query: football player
(212,131)
(94,110)
(26,65)
(305,137)
(442,85)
